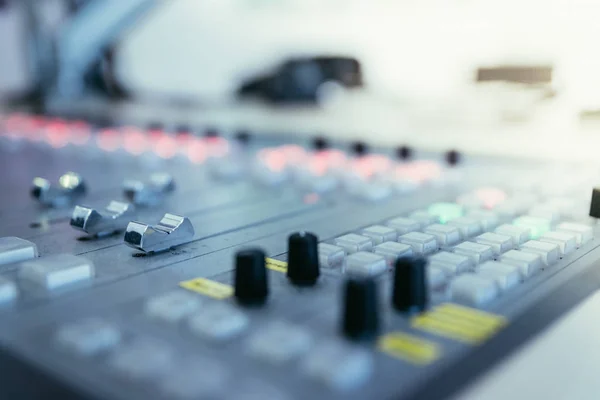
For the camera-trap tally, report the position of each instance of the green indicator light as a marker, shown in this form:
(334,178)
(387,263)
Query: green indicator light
(445,211)
(538,226)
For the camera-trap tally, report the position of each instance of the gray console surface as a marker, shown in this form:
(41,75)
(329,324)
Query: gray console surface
(414,356)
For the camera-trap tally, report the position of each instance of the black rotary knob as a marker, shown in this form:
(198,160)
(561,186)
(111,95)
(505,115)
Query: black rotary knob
(410,285)
(243,136)
(183,129)
(251,279)
(452,157)
(359,148)
(360,318)
(211,132)
(404,152)
(320,143)
(303,259)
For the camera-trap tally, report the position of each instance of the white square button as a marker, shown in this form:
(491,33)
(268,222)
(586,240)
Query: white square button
(363,264)
(352,243)
(380,234)
(421,243)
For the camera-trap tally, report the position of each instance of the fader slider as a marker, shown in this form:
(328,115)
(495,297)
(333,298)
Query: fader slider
(69,188)
(171,231)
(149,193)
(114,218)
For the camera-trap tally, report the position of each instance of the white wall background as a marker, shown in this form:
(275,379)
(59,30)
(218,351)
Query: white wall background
(408,48)
(424,47)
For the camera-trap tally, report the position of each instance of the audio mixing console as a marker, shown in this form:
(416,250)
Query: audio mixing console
(144,264)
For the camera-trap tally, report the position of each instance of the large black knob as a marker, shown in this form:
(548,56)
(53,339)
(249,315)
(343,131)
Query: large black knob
(595,203)
(360,319)
(303,258)
(251,279)
(410,285)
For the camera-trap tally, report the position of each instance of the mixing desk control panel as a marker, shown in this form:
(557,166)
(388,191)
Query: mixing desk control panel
(150,264)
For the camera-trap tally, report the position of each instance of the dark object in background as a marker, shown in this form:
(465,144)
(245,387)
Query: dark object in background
(298,80)
(527,74)
(3,4)
(595,203)
(591,114)
(101,77)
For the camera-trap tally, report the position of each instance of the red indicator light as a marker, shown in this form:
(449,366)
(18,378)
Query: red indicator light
(109,140)
(196,151)
(490,197)
(135,141)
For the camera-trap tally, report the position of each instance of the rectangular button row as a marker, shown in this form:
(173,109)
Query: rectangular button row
(48,273)
(421,243)
(425,238)
(484,247)
(338,365)
(146,359)
(216,321)
(567,237)
(492,278)
(531,256)
(472,224)
(525,228)
(365,259)
(469,223)
(276,343)
(363,264)
(444,264)
(468,257)
(408,230)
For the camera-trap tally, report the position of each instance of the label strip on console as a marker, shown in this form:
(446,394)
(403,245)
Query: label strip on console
(459,323)
(409,348)
(276,265)
(209,288)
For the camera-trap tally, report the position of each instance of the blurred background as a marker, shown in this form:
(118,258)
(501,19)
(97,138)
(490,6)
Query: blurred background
(516,76)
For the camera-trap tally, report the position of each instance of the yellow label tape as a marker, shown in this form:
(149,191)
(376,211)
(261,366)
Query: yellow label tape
(208,288)
(409,348)
(459,323)
(276,265)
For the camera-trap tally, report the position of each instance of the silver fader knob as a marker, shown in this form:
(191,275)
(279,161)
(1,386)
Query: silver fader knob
(114,218)
(149,193)
(171,231)
(70,187)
